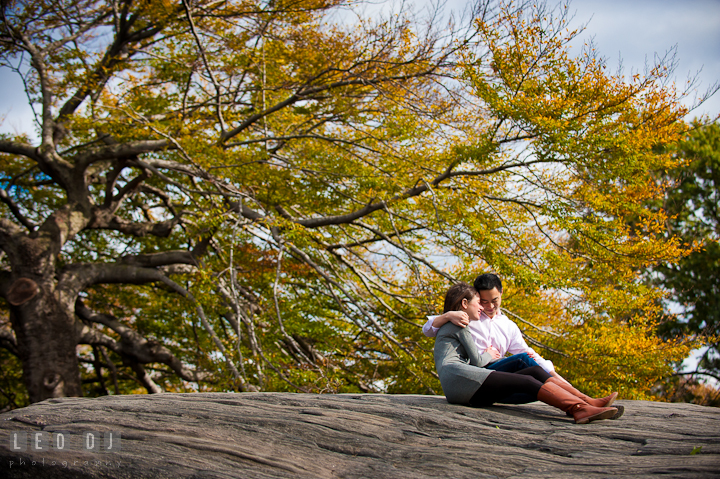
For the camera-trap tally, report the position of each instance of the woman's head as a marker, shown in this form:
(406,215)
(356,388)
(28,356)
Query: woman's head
(463,297)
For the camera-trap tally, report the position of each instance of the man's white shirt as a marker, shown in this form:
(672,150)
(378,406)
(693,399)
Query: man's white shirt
(499,332)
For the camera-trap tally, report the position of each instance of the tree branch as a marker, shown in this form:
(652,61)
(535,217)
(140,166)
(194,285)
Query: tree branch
(144,377)
(103,219)
(530,324)
(500,168)
(155,260)
(16,211)
(128,189)
(409,253)
(119,151)
(9,234)
(132,344)
(218,103)
(15,148)
(118,52)
(75,278)
(697,371)
(303,93)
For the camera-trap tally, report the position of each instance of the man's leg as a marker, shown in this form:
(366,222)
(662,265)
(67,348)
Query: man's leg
(514,363)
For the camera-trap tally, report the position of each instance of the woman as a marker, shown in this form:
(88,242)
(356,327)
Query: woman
(464,381)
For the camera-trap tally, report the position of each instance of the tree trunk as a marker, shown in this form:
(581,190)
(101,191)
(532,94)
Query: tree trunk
(47,337)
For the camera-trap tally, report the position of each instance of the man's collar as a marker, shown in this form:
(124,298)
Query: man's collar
(485,317)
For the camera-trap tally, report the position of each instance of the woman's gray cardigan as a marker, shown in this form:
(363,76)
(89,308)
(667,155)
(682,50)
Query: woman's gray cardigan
(459,364)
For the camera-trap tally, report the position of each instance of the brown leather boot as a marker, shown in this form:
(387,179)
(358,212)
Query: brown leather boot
(552,394)
(600,402)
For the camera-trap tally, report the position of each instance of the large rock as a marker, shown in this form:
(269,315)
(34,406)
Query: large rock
(264,435)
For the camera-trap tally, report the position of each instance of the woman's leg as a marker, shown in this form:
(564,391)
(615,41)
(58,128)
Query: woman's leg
(599,402)
(537,372)
(582,412)
(521,398)
(541,375)
(499,386)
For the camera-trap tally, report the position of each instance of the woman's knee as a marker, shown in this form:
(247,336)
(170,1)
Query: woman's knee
(538,373)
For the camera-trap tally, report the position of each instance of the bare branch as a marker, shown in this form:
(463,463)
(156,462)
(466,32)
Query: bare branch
(307,92)
(15,148)
(80,32)
(288,339)
(132,344)
(77,276)
(408,193)
(305,258)
(16,211)
(128,189)
(119,151)
(103,219)
(409,253)
(155,260)
(218,102)
(144,378)
(503,167)
(116,53)
(348,246)
(530,324)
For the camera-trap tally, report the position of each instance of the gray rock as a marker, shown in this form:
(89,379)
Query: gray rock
(266,435)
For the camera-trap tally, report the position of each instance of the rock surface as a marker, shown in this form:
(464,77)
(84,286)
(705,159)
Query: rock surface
(266,435)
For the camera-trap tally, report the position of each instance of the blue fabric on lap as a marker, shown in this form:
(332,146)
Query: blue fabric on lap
(514,363)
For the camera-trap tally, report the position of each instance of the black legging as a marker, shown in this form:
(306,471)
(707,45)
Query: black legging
(499,386)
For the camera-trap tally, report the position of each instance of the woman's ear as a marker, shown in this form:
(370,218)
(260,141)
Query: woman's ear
(464,303)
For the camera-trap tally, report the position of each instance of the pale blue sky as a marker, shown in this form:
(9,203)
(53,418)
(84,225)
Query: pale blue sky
(639,29)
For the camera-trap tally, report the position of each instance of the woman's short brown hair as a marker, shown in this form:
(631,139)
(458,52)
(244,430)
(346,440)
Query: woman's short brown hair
(455,295)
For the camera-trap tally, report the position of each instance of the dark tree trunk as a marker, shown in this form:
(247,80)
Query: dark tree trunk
(47,340)
(43,320)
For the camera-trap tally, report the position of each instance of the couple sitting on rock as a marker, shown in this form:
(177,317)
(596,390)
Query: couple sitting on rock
(472,336)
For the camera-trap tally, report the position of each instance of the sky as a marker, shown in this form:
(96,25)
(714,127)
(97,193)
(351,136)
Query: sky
(638,30)
(635,31)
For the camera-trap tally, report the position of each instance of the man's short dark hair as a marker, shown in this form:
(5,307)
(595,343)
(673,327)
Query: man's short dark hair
(488,281)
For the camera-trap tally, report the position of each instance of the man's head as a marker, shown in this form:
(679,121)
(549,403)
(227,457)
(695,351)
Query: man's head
(488,281)
(490,289)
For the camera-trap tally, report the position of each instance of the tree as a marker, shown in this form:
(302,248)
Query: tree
(692,205)
(263,195)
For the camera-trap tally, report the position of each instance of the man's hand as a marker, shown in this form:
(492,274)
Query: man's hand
(494,353)
(458,318)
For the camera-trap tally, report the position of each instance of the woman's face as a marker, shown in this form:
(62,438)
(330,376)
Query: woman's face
(472,308)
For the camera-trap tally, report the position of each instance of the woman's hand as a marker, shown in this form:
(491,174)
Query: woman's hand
(494,353)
